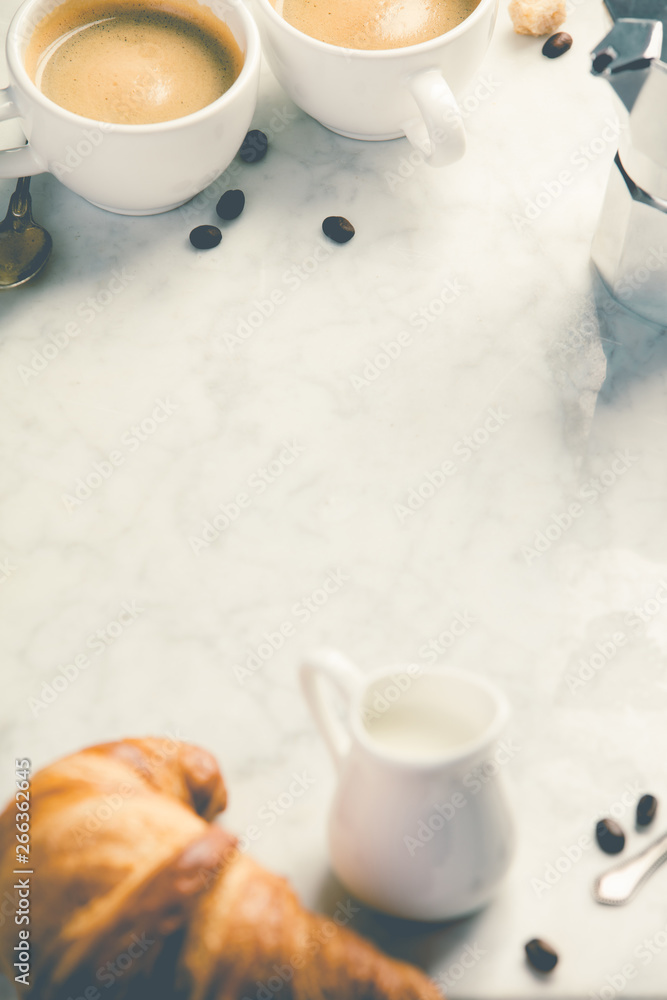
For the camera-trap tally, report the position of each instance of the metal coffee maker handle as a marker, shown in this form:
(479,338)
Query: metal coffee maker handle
(630,246)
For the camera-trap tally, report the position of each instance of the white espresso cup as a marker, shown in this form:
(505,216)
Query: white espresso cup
(420,825)
(130,169)
(382,93)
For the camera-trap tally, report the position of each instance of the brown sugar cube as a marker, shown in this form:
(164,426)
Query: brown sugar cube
(537,17)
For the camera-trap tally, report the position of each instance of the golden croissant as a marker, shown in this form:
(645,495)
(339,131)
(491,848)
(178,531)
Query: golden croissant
(132,892)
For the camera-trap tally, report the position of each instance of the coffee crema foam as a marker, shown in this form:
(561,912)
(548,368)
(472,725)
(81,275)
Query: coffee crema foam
(374,24)
(132,63)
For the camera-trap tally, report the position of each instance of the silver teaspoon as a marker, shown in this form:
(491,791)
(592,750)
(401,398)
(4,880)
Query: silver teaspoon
(620,883)
(24,245)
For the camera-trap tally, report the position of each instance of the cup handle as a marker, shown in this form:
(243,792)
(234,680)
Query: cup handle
(20,162)
(438,132)
(345,677)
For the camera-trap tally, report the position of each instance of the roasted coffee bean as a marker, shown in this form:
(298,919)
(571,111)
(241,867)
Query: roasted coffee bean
(541,955)
(610,836)
(557,45)
(646,810)
(230,205)
(338,229)
(205,237)
(254,146)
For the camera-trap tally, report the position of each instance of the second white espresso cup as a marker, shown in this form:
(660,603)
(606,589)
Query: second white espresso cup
(382,93)
(420,826)
(130,169)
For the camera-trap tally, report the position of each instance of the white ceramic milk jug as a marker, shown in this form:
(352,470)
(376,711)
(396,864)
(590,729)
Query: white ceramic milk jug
(420,826)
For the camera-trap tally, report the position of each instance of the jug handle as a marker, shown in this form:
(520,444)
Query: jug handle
(345,677)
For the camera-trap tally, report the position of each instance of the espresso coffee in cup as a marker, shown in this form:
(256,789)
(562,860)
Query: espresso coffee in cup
(132,63)
(374,24)
(154,147)
(347,64)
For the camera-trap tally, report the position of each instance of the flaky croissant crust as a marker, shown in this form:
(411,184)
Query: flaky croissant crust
(138,894)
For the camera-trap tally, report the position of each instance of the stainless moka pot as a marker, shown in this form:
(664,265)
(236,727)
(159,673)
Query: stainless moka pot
(630,245)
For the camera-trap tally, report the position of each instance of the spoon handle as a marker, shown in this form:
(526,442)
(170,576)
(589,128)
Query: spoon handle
(20,201)
(619,884)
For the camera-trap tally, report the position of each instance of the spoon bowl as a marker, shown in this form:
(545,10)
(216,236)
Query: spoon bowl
(25,246)
(618,884)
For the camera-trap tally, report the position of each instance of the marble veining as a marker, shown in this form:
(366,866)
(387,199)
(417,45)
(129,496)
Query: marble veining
(146,387)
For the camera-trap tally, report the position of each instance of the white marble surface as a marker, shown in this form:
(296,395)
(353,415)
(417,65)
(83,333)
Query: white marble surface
(512,322)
